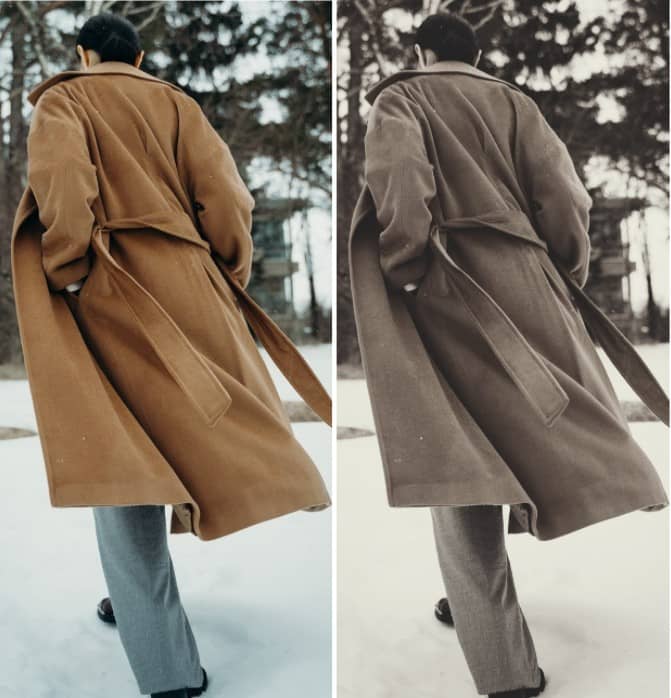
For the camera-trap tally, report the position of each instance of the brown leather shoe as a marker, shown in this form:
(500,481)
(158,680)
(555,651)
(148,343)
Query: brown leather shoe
(105,612)
(443,613)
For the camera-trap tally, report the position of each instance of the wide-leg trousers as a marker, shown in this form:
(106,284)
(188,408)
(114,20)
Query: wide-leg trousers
(488,620)
(152,624)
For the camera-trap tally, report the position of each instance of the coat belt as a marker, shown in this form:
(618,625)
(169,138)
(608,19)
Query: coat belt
(178,355)
(281,349)
(186,365)
(520,361)
(620,351)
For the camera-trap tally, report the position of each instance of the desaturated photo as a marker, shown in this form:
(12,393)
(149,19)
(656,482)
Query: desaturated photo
(165,349)
(502,348)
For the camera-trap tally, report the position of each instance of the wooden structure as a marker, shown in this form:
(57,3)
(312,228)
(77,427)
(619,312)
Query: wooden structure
(608,283)
(271,284)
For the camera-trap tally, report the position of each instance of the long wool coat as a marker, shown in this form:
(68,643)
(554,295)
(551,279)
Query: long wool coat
(485,384)
(148,385)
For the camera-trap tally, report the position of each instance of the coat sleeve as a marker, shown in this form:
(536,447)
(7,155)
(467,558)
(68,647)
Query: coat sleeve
(220,198)
(558,199)
(65,184)
(402,183)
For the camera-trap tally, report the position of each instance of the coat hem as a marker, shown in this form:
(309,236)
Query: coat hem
(163,493)
(242,522)
(523,509)
(160,491)
(578,516)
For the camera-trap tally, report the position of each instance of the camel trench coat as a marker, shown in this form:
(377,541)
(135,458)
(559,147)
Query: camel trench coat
(148,385)
(485,383)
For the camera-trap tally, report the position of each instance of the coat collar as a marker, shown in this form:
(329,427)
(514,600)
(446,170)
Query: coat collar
(106,67)
(439,68)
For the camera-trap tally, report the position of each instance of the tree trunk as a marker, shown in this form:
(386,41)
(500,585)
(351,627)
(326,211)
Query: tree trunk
(350,175)
(13,178)
(652,310)
(315,311)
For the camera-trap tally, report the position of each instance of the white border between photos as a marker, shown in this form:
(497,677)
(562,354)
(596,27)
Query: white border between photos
(334,358)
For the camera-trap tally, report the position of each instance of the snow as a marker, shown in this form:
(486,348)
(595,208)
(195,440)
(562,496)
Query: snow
(259,601)
(656,356)
(596,601)
(16,407)
(318,357)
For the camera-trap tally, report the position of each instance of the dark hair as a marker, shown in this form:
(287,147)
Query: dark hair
(449,36)
(112,36)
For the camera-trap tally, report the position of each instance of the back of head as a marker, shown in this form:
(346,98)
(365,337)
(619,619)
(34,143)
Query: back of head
(112,36)
(449,36)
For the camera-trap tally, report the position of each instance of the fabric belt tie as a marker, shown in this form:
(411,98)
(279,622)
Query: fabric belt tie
(520,361)
(620,351)
(281,349)
(186,365)
(180,358)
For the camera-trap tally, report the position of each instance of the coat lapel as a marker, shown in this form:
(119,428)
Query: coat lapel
(440,68)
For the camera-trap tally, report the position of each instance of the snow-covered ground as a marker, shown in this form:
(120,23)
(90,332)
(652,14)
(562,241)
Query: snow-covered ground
(259,601)
(596,601)
(319,358)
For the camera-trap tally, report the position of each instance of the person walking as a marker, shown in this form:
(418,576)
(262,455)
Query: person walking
(468,255)
(131,254)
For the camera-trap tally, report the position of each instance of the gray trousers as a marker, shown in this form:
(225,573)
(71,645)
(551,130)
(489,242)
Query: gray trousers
(488,620)
(153,627)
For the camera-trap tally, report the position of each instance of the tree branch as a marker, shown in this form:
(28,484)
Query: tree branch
(294,173)
(487,6)
(491,7)
(365,15)
(153,14)
(35,34)
(441,5)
